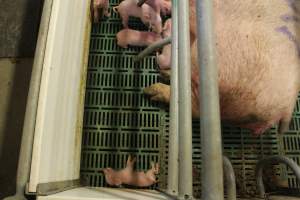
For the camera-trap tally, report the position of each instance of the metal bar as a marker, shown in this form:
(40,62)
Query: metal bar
(229,177)
(45,189)
(23,171)
(166,192)
(141,2)
(212,170)
(272,160)
(152,48)
(174,108)
(185,188)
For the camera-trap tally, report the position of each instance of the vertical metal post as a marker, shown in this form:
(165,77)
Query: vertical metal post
(212,170)
(174,120)
(185,115)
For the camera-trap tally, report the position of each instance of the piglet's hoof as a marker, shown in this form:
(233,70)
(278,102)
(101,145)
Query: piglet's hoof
(158,92)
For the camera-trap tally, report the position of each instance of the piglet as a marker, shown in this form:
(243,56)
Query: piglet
(130,177)
(96,7)
(131,37)
(160,6)
(148,16)
(164,59)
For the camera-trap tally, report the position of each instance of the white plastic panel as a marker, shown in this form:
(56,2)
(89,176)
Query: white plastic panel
(57,142)
(106,194)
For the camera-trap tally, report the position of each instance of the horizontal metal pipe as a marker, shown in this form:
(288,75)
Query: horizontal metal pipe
(229,177)
(185,187)
(150,49)
(273,160)
(174,108)
(211,142)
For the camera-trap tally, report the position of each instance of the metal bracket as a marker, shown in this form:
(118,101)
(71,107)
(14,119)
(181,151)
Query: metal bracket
(45,189)
(157,45)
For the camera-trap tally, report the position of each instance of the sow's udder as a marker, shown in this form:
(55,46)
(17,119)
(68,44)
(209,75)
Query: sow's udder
(258,59)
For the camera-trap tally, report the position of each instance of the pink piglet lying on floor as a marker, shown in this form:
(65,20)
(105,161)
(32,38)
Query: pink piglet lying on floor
(132,37)
(130,177)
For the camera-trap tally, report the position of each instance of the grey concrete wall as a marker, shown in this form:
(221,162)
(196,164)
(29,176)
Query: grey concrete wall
(19,21)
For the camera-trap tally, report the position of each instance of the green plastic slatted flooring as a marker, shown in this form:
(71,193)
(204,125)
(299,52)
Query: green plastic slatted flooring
(120,120)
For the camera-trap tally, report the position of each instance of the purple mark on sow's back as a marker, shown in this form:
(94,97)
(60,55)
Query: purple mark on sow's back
(284,30)
(289,18)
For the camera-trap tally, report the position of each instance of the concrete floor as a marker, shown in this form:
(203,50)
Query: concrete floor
(19,23)
(14,84)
